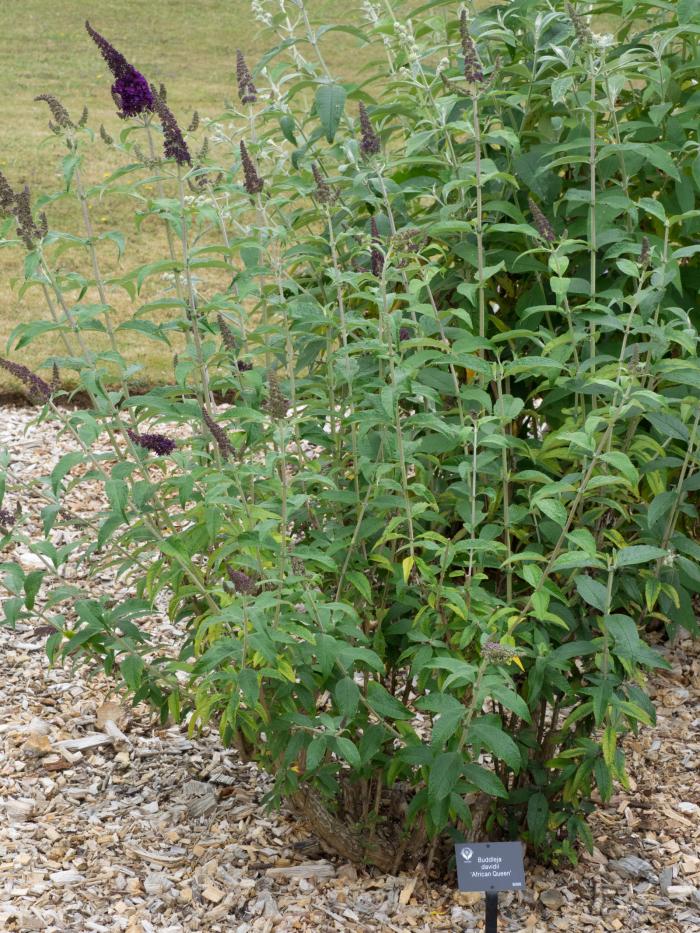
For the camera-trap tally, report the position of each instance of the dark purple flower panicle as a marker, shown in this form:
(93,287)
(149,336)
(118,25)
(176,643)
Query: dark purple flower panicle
(404,333)
(376,256)
(542,224)
(247,90)
(36,385)
(130,89)
(133,94)
(253,182)
(369,140)
(174,143)
(244,367)
(7,519)
(158,444)
(219,435)
(473,71)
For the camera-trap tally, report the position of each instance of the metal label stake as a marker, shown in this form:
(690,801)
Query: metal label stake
(491,912)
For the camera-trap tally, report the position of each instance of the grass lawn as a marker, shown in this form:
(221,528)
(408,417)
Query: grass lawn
(44,48)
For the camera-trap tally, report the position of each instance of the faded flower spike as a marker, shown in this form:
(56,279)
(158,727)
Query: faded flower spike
(542,224)
(242,583)
(174,144)
(324,193)
(247,91)
(277,404)
(26,228)
(130,89)
(219,435)
(157,443)
(645,252)
(7,196)
(494,651)
(36,385)
(376,256)
(369,140)
(227,338)
(580,24)
(473,72)
(253,183)
(58,112)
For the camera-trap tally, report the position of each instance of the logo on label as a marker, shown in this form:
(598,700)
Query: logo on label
(467,854)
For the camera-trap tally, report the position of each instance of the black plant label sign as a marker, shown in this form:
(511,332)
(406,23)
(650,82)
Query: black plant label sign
(490,866)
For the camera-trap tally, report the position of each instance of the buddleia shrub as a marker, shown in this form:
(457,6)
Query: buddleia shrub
(421,495)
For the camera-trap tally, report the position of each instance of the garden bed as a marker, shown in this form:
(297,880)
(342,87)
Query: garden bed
(110,822)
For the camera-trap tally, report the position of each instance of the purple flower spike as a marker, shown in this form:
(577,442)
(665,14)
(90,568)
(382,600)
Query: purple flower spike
(174,143)
(157,443)
(37,386)
(370,143)
(130,89)
(252,183)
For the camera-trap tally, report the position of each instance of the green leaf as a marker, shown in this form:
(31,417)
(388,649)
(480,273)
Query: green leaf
(288,125)
(592,592)
(347,697)
(484,779)
(249,685)
(553,509)
(444,774)
(64,466)
(384,704)
(361,583)
(330,102)
(660,507)
(316,751)
(131,670)
(349,751)
(638,554)
(623,465)
(32,584)
(688,12)
(498,742)
(446,724)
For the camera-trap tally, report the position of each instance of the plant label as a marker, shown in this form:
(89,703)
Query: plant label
(490,866)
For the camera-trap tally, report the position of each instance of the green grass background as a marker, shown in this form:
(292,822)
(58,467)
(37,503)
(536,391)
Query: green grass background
(189,45)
